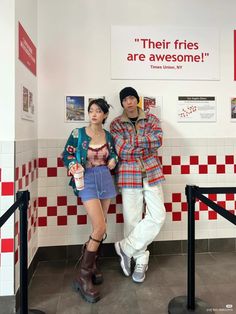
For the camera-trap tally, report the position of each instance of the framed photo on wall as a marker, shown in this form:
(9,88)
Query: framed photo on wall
(151,104)
(233,109)
(27,109)
(74,108)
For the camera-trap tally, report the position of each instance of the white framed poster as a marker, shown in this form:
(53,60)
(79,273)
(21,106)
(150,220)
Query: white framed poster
(152,104)
(74,108)
(196,109)
(27,109)
(233,109)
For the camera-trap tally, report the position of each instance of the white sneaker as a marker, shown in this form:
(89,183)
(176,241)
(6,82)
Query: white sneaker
(139,272)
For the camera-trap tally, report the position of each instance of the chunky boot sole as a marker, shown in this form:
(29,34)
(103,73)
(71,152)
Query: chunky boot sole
(85,296)
(97,279)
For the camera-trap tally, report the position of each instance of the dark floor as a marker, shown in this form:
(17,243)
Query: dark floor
(51,289)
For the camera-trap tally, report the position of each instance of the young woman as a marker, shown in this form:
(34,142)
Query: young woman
(93,149)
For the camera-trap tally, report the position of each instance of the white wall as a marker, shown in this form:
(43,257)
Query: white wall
(26,14)
(7,73)
(74,57)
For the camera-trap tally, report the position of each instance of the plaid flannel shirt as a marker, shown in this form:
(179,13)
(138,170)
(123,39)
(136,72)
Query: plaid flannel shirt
(137,148)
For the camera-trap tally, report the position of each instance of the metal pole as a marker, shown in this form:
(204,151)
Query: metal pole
(23,251)
(191,199)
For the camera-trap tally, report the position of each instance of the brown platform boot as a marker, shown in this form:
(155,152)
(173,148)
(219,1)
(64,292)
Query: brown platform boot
(83,281)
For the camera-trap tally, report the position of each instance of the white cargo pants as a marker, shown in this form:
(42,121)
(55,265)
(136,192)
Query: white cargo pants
(138,232)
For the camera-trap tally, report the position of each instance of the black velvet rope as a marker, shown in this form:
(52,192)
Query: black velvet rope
(10,211)
(220,210)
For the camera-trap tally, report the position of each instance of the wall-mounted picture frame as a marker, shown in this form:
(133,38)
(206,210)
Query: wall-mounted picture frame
(27,109)
(151,104)
(74,108)
(233,109)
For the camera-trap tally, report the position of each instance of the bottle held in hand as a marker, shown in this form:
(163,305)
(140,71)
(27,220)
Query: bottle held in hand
(79,178)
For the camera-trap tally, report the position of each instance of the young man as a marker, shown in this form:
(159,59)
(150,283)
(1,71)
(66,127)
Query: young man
(137,138)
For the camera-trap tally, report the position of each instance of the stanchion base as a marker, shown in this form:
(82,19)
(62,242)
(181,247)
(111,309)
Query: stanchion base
(178,305)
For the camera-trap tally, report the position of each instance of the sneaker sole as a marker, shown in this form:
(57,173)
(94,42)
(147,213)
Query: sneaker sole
(118,252)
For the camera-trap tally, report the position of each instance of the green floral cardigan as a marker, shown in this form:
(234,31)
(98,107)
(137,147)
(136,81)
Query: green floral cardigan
(76,150)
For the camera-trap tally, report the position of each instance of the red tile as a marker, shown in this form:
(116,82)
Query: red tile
(23,170)
(168,207)
(60,162)
(16,173)
(203,206)
(167,170)
(212,215)
(160,159)
(51,211)
(211,160)
(62,220)
(42,201)
(119,199)
(42,221)
(220,168)
(30,166)
(184,207)
(212,197)
(71,210)
(234,168)
(203,169)
(229,159)
(175,160)
(176,197)
(61,200)
(16,256)
(112,209)
(176,216)
(52,172)
(43,162)
(79,202)
(222,204)
(196,215)
(27,180)
(229,197)
(7,245)
(20,184)
(7,188)
(185,169)
(194,160)
(16,228)
(81,219)
(119,218)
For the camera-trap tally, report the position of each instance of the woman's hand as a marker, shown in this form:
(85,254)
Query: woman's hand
(111,164)
(74,168)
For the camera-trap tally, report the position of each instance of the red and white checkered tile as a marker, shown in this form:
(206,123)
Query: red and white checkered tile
(58,206)
(6,232)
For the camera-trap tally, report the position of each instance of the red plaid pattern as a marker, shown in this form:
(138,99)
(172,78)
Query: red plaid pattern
(137,149)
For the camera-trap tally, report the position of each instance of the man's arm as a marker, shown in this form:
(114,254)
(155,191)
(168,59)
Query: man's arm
(153,139)
(124,148)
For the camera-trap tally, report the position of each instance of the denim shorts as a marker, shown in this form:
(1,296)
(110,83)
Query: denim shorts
(98,184)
